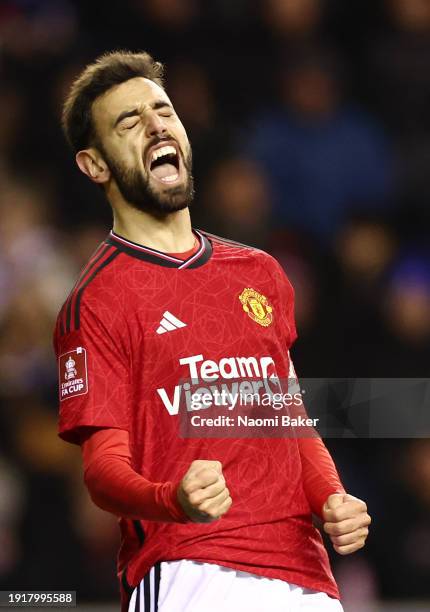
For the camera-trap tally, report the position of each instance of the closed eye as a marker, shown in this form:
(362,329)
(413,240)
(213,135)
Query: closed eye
(130,125)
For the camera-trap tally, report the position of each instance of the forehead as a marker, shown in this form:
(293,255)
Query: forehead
(134,93)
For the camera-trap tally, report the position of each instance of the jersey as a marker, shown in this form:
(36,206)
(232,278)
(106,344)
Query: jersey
(137,324)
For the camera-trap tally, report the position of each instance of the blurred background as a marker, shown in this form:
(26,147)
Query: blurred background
(310,124)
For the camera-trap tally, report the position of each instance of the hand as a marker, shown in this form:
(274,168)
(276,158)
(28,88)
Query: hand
(202,492)
(346,522)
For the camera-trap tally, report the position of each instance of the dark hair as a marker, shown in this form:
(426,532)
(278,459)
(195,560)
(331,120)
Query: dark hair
(108,70)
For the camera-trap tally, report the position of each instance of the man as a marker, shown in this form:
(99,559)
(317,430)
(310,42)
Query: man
(161,306)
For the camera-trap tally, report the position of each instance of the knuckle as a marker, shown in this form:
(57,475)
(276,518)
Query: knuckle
(337,530)
(327,528)
(204,506)
(220,483)
(194,498)
(187,487)
(198,497)
(206,477)
(358,525)
(207,473)
(336,514)
(342,514)
(203,473)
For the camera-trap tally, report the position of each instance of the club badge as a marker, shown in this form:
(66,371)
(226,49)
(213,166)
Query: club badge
(256,306)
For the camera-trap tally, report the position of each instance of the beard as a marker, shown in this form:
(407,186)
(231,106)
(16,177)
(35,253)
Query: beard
(137,190)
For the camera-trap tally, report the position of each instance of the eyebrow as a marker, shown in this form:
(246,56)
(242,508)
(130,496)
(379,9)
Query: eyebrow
(135,111)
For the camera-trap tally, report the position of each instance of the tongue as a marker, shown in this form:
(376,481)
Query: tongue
(164,170)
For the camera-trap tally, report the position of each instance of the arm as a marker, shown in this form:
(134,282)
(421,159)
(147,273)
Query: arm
(345,517)
(320,477)
(114,486)
(93,351)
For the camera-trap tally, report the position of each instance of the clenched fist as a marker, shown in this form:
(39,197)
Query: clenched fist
(346,521)
(202,492)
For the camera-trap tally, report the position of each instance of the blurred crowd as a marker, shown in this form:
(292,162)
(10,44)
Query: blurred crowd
(310,126)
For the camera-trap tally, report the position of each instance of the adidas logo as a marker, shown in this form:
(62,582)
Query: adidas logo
(169,323)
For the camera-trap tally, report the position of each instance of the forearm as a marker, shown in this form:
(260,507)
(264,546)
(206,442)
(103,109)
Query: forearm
(116,487)
(319,474)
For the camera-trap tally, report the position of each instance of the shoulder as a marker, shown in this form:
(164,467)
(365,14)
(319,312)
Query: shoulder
(94,290)
(239,249)
(228,245)
(236,251)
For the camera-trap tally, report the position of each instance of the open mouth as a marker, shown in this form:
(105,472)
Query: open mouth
(164,164)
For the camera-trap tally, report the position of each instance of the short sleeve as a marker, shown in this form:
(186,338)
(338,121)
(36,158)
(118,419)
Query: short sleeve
(285,292)
(93,376)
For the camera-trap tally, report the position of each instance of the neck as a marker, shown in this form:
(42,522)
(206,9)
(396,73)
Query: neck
(171,233)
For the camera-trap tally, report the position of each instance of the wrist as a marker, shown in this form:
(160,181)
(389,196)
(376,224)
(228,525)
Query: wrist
(170,500)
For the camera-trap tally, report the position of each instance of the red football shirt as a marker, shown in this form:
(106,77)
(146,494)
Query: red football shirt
(136,325)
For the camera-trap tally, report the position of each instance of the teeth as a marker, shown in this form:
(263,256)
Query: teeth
(167,150)
(170,179)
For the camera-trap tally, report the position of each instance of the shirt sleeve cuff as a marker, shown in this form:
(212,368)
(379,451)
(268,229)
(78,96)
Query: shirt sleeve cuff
(167,496)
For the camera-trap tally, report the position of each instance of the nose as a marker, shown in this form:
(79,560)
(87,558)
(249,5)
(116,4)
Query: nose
(155,125)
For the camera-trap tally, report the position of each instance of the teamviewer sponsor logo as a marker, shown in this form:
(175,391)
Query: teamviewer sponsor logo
(227,380)
(236,397)
(73,374)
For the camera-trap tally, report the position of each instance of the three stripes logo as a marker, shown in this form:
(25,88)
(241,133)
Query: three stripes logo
(145,596)
(169,323)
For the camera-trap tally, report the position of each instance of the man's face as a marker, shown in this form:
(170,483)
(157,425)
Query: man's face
(145,146)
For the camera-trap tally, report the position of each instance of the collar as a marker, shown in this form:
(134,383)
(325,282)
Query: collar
(197,259)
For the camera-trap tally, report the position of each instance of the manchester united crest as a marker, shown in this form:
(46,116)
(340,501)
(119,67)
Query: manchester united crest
(256,306)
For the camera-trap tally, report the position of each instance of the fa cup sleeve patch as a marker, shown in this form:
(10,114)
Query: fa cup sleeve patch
(73,376)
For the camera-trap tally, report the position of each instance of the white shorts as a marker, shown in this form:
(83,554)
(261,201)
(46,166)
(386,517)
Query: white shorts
(191,586)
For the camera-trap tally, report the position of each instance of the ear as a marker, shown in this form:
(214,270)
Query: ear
(92,164)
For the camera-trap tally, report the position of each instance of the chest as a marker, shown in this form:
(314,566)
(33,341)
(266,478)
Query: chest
(181,318)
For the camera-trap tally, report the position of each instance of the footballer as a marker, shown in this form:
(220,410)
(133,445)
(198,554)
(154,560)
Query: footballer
(207,524)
